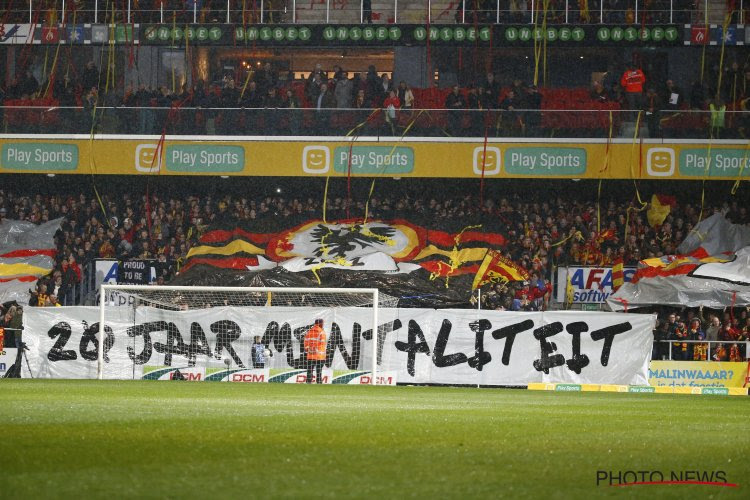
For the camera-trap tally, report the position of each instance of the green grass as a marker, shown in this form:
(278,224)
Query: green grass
(82,439)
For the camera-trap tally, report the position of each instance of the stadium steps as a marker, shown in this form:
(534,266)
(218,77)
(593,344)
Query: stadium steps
(627,130)
(314,12)
(716,11)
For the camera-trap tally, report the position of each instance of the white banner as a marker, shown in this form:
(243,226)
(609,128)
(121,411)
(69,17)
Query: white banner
(591,285)
(418,345)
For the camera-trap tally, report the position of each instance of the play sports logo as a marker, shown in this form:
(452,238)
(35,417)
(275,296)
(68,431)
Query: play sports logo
(146,158)
(316,159)
(487,159)
(660,162)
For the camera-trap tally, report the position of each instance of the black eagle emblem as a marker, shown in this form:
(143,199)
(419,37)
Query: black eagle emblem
(339,242)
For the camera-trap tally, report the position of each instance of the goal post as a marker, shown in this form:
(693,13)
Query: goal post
(227,333)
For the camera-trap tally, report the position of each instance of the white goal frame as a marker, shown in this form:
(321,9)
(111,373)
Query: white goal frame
(105,288)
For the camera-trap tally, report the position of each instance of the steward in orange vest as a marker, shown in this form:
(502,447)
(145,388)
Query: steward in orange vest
(315,350)
(632,82)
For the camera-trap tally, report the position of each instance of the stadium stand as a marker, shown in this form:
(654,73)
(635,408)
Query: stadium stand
(477,93)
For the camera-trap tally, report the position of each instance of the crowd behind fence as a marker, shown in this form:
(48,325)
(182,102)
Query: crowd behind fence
(697,350)
(608,120)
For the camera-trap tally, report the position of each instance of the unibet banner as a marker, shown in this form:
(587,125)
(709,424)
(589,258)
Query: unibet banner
(591,285)
(696,374)
(300,35)
(414,345)
(264,156)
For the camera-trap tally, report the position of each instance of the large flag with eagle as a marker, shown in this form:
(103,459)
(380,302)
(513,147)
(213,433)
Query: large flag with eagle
(394,246)
(395,253)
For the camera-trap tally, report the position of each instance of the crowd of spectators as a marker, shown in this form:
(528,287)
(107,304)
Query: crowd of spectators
(541,229)
(332,102)
(679,332)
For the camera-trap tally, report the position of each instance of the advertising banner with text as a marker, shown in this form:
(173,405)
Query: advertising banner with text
(591,285)
(411,34)
(696,374)
(414,345)
(356,35)
(268,156)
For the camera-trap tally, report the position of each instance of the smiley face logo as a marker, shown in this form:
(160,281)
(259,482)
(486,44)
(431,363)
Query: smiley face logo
(145,158)
(488,160)
(316,159)
(660,162)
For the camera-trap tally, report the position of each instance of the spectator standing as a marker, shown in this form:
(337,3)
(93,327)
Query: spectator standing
(632,82)
(344,93)
(680,350)
(672,96)
(405,95)
(294,115)
(660,348)
(90,77)
(323,104)
(696,333)
(492,89)
(513,120)
(718,110)
(272,103)
(454,103)
(533,118)
(391,105)
(373,92)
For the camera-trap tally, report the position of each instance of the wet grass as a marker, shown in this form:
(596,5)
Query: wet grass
(198,440)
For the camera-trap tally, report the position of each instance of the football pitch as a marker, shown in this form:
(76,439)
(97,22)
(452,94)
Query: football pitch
(83,439)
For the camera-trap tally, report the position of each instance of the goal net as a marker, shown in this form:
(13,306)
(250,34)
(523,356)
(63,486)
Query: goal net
(242,334)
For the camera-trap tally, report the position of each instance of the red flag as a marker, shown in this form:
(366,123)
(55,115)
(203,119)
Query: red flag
(495,267)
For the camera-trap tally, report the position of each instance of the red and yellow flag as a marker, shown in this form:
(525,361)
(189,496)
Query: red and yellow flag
(618,274)
(496,268)
(659,208)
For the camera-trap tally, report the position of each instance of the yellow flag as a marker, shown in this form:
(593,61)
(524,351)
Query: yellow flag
(569,293)
(658,209)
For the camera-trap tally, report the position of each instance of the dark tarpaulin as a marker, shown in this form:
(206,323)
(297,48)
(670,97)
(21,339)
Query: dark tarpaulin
(415,289)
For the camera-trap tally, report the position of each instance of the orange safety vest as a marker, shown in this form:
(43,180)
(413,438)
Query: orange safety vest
(315,343)
(632,81)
